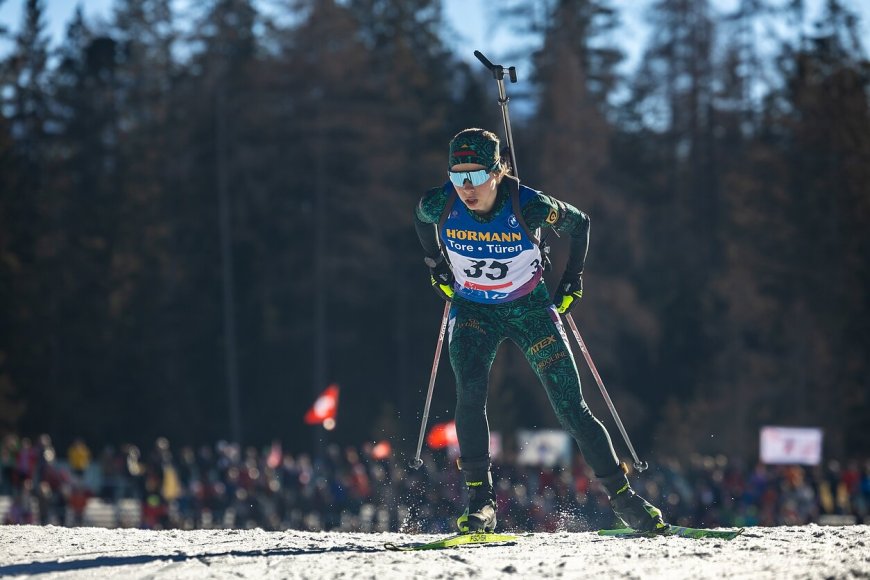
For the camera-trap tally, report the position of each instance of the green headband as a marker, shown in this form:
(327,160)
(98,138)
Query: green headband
(474,146)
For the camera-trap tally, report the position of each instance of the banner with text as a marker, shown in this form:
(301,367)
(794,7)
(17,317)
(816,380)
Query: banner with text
(791,445)
(546,447)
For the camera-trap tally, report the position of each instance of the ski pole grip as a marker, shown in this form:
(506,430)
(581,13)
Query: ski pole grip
(484,60)
(497,69)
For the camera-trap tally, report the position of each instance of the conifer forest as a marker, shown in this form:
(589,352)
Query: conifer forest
(206,217)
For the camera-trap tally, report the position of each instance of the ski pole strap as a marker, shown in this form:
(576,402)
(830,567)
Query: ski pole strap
(514,186)
(445,213)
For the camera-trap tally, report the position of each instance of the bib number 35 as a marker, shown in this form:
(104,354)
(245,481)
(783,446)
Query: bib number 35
(495,270)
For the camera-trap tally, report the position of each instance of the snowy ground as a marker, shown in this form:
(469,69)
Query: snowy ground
(785,552)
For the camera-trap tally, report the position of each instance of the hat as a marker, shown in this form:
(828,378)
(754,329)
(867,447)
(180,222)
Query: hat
(474,146)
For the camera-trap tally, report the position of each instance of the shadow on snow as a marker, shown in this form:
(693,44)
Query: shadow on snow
(105,561)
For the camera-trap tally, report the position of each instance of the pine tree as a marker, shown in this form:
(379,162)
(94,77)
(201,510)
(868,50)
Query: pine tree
(828,123)
(11,407)
(797,209)
(666,159)
(147,300)
(423,97)
(217,167)
(80,219)
(28,66)
(316,211)
(24,201)
(570,159)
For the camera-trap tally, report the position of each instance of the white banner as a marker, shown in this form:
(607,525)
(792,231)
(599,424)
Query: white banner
(547,447)
(791,445)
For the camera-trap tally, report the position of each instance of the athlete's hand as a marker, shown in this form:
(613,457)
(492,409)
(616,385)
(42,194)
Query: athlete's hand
(568,294)
(441,277)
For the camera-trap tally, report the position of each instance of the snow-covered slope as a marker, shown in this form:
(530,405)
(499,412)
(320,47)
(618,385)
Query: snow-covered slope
(785,552)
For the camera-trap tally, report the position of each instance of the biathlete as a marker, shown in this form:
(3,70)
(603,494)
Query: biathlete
(483,256)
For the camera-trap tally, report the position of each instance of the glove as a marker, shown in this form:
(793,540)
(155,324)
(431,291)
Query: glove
(441,277)
(568,294)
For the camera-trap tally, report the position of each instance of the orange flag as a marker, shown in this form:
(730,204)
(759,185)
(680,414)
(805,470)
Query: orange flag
(324,408)
(442,435)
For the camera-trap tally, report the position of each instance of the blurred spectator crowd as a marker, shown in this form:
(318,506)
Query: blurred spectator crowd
(368,489)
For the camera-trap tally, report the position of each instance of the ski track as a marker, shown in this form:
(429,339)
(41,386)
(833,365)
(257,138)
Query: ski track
(782,552)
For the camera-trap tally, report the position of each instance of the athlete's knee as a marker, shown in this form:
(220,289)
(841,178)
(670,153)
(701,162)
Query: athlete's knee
(578,420)
(471,395)
(471,391)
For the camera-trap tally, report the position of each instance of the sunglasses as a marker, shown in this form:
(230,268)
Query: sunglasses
(476,178)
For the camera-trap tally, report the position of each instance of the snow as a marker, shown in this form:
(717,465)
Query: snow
(782,552)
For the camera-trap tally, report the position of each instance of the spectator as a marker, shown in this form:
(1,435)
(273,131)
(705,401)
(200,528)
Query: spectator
(77,501)
(356,490)
(20,512)
(25,464)
(79,457)
(9,449)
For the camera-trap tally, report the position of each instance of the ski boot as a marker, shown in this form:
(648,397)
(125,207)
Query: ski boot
(634,511)
(480,515)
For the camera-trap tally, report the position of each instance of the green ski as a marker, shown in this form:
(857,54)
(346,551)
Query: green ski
(672,530)
(453,541)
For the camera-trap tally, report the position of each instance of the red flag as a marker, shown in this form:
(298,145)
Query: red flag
(324,408)
(382,450)
(442,435)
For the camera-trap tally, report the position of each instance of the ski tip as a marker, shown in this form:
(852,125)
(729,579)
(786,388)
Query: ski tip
(674,530)
(454,541)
